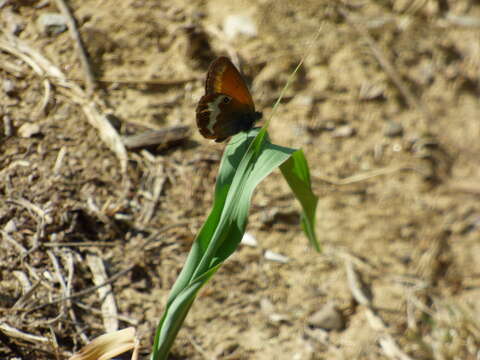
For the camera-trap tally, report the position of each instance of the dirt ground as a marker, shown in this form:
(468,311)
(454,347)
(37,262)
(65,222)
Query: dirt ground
(386,109)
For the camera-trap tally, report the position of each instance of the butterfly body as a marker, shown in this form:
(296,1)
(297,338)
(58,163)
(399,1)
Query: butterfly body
(227,107)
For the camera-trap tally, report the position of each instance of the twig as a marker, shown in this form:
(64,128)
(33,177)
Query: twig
(44,68)
(470,186)
(11,240)
(21,302)
(360,291)
(109,307)
(27,289)
(362,294)
(107,132)
(155,235)
(10,344)
(44,217)
(391,348)
(59,161)
(156,137)
(120,317)
(363,176)
(78,244)
(467,21)
(66,288)
(11,68)
(86,291)
(158,180)
(15,333)
(411,100)
(147,82)
(46,98)
(59,274)
(80,48)
(36,68)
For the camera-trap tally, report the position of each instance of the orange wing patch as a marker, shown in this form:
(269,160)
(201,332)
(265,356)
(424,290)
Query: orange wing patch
(223,77)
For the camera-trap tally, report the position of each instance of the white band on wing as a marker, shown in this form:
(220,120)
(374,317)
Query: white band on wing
(214,112)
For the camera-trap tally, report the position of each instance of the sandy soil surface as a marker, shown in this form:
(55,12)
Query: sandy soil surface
(386,108)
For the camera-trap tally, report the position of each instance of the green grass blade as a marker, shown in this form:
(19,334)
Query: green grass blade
(231,159)
(247,160)
(295,171)
(260,159)
(174,316)
(271,156)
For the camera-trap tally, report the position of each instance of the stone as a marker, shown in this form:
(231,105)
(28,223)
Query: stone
(393,129)
(249,240)
(28,130)
(327,318)
(276,257)
(9,87)
(10,227)
(52,23)
(235,25)
(344,132)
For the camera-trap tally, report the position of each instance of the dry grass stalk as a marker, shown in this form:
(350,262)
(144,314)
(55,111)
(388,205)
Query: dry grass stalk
(109,307)
(362,294)
(79,47)
(49,72)
(110,345)
(157,137)
(387,66)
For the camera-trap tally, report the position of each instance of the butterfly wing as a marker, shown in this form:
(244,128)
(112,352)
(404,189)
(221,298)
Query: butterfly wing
(224,78)
(220,116)
(227,106)
(207,115)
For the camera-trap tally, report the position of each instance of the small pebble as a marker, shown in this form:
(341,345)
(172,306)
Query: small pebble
(393,129)
(48,275)
(328,318)
(329,125)
(10,226)
(235,25)
(7,125)
(272,256)
(249,240)
(28,130)
(371,91)
(344,132)
(269,309)
(9,87)
(303,100)
(52,23)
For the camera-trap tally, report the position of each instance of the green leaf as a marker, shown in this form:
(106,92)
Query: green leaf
(295,171)
(247,160)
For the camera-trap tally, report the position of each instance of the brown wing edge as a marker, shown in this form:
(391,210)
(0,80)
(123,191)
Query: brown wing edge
(203,115)
(215,77)
(215,70)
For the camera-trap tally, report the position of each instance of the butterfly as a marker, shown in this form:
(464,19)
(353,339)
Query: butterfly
(227,106)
